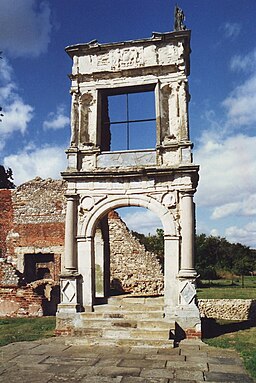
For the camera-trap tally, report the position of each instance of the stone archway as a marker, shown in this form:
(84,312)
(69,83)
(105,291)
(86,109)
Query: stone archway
(86,251)
(162,179)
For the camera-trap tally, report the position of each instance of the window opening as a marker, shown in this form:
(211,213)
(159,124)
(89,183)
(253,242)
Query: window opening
(38,266)
(130,121)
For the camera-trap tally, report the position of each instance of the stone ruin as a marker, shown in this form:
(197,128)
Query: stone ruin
(151,167)
(32,221)
(26,217)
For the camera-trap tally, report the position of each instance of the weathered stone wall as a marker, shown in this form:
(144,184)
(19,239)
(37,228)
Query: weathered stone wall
(132,268)
(32,222)
(6,218)
(38,218)
(229,309)
(32,219)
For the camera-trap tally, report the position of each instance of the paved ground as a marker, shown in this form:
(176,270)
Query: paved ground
(52,361)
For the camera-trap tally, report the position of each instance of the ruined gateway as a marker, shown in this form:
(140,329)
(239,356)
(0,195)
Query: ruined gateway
(102,176)
(32,221)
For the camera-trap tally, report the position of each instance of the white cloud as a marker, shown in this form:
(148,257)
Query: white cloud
(56,120)
(17,114)
(141,220)
(227,174)
(214,232)
(230,30)
(225,210)
(244,63)
(241,104)
(5,70)
(44,162)
(25,27)
(246,234)
(245,207)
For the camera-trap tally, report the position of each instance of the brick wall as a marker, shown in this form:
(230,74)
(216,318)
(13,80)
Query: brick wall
(32,222)
(15,301)
(6,218)
(32,219)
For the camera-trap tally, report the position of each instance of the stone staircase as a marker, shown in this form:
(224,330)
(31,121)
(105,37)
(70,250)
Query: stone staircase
(126,321)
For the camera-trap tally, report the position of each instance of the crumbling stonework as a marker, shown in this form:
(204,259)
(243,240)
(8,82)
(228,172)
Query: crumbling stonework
(229,309)
(32,222)
(6,218)
(31,240)
(38,219)
(32,219)
(19,302)
(132,268)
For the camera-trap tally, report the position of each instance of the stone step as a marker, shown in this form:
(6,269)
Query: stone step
(129,315)
(126,321)
(127,307)
(134,343)
(152,324)
(109,322)
(128,299)
(92,322)
(136,334)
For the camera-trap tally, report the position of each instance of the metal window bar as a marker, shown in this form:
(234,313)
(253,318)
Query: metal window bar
(128,121)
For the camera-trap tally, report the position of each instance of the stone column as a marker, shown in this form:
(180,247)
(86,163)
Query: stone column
(171,269)
(99,264)
(86,269)
(188,234)
(70,263)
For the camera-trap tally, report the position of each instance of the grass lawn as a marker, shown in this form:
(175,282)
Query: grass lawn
(224,289)
(25,329)
(243,341)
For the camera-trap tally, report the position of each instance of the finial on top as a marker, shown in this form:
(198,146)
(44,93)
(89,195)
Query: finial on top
(179,18)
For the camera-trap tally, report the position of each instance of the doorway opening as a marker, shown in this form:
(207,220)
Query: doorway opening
(132,262)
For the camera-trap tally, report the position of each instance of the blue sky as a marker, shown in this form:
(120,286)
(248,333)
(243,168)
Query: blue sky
(34,93)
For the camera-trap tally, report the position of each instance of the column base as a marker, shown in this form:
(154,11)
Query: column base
(187,274)
(68,308)
(70,291)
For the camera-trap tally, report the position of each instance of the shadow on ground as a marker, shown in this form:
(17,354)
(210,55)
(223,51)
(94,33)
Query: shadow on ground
(211,328)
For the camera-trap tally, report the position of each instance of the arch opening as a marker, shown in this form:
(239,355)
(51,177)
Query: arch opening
(132,262)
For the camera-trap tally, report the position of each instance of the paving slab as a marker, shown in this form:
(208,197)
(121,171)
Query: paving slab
(53,360)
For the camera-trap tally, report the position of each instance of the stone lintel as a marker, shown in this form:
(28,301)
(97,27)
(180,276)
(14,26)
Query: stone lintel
(134,172)
(157,38)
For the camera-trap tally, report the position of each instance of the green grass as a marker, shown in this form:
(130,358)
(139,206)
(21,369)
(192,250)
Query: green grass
(225,289)
(243,341)
(25,329)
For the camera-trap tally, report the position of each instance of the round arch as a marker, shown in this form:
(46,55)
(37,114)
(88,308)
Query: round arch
(102,208)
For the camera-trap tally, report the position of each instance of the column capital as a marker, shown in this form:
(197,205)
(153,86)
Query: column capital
(169,237)
(71,196)
(187,193)
(84,239)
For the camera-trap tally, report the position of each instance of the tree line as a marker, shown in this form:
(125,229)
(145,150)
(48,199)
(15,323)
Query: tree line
(214,256)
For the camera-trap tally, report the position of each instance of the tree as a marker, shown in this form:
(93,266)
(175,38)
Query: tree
(214,256)
(243,260)
(6,178)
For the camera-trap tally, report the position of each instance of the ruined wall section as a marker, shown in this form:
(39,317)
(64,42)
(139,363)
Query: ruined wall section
(6,218)
(32,219)
(132,268)
(38,219)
